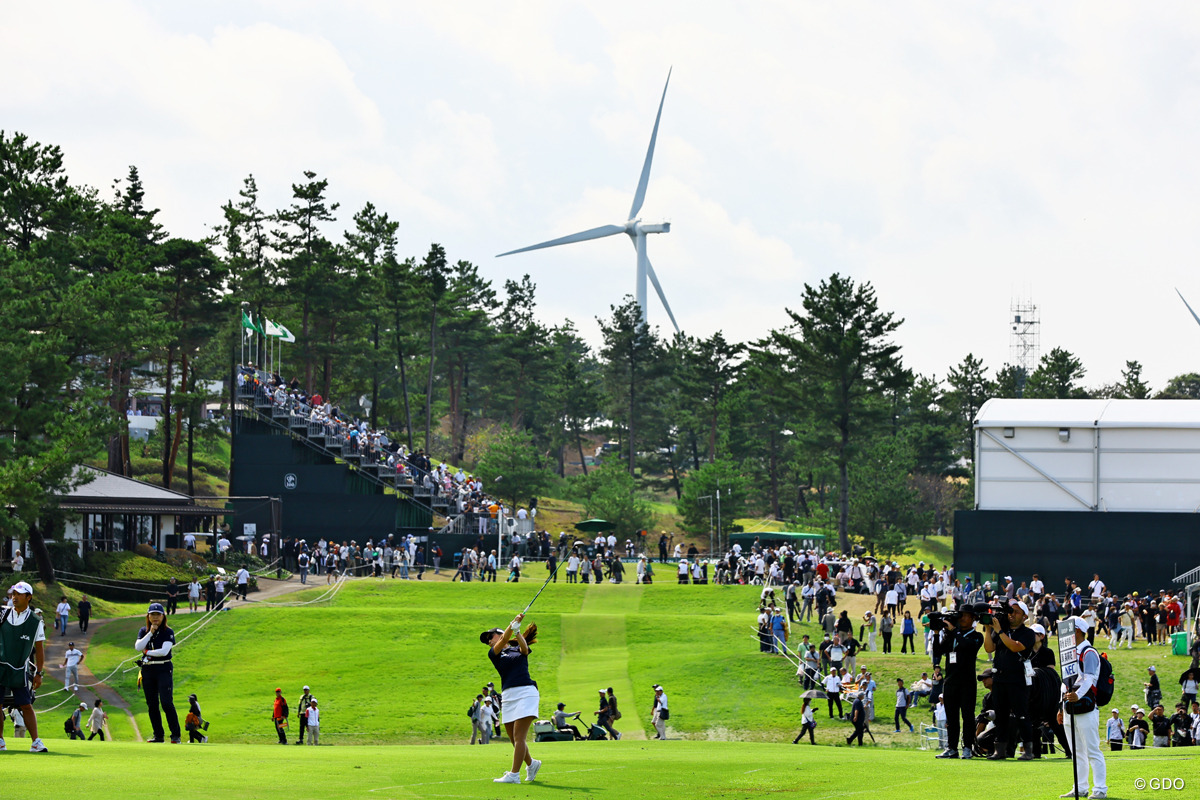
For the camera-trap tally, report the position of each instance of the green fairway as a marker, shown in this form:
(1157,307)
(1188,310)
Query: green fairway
(679,769)
(399,662)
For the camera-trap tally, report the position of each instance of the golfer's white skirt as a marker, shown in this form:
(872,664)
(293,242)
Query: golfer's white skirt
(518,703)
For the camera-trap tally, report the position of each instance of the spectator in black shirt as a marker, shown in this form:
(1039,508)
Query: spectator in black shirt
(1013,676)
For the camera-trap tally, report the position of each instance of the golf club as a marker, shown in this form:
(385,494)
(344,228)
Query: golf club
(549,578)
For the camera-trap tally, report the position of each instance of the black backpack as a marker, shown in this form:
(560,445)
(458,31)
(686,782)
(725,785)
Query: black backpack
(1104,686)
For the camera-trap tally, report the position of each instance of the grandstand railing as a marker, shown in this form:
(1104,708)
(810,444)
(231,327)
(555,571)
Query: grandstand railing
(335,439)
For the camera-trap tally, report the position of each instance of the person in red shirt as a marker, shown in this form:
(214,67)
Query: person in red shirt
(279,715)
(823,571)
(1174,613)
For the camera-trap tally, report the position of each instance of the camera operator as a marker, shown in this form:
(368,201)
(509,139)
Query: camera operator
(1012,646)
(959,642)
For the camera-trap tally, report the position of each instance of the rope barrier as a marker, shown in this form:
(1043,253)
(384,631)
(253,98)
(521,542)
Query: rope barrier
(188,631)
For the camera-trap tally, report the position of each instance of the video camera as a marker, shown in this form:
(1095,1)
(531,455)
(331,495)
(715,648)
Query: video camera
(984,614)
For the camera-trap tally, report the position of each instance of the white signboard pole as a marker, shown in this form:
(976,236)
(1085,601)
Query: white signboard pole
(1068,659)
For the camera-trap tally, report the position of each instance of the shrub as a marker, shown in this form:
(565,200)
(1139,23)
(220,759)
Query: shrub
(186,559)
(145,551)
(235,560)
(63,556)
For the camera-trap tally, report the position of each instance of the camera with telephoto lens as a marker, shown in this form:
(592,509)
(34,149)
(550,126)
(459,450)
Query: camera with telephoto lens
(937,618)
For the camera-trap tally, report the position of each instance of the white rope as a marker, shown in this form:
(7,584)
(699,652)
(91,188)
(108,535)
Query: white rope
(189,631)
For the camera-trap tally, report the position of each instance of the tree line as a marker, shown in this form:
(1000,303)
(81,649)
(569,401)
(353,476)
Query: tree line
(817,420)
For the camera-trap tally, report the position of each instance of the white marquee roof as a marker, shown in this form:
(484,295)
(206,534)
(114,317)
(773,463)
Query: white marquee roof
(1022,413)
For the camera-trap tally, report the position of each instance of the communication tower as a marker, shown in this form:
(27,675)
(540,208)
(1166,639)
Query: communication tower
(1025,343)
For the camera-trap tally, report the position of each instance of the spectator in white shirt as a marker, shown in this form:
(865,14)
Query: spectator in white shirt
(833,691)
(313,724)
(71,661)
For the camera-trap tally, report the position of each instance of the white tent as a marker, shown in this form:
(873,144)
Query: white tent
(1088,455)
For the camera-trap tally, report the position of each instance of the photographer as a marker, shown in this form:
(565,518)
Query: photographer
(1012,645)
(959,642)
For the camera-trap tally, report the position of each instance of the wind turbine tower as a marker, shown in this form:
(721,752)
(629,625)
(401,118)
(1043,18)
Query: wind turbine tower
(633,227)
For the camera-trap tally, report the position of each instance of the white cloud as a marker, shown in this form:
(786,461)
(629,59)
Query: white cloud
(952,154)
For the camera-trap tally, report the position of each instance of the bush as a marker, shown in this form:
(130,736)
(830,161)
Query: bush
(63,556)
(131,567)
(186,559)
(235,560)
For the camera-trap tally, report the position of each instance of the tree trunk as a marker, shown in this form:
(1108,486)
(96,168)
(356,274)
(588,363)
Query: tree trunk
(773,470)
(632,397)
(579,444)
(375,379)
(408,428)
(169,467)
(460,444)
(429,383)
(308,365)
(844,493)
(41,556)
(168,380)
(191,436)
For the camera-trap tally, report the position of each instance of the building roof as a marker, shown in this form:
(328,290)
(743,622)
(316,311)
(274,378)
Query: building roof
(109,488)
(1022,413)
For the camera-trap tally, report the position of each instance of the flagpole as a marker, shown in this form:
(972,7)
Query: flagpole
(242,330)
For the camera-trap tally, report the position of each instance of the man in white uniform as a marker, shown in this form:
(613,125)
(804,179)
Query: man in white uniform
(1083,726)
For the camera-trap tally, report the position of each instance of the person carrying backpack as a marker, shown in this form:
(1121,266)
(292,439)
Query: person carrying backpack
(1080,716)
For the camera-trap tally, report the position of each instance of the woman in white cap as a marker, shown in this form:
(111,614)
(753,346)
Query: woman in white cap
(155,641)
(22,636)
(508,650)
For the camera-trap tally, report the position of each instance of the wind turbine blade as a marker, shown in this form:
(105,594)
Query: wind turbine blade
(640,195)
(582,236)
(1189,308)
(661,295)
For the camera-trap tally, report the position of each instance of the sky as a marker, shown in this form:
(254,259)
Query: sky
(957,156)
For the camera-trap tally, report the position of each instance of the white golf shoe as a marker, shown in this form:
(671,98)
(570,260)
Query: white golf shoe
(508,777)
(531,771)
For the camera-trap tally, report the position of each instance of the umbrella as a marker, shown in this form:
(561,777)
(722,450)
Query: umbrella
(814,694)
(245,538)
(594,525)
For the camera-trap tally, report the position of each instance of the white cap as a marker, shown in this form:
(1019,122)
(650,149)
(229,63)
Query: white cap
(22,587)
(1019,604)
(1038,629)
(1081,624)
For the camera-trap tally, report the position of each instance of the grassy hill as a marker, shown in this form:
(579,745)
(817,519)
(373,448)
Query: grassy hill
(399,662)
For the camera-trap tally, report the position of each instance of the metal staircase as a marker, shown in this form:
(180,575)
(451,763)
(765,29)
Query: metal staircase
(333,440)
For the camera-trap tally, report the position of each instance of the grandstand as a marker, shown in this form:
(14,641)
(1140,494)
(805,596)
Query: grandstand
(330,486)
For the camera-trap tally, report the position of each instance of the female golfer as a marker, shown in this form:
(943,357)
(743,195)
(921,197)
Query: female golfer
(155,641)
(508,650)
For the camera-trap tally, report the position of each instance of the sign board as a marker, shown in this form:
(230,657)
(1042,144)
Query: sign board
(1068,659)
(250,529)
(290,481)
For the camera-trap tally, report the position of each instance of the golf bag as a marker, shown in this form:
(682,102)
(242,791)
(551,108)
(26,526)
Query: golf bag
(597,734)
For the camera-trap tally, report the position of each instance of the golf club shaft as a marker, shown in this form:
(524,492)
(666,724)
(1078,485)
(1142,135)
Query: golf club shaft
(549,578)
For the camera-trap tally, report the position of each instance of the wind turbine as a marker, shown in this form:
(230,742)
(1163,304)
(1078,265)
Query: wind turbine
(633,227)
(1189,308)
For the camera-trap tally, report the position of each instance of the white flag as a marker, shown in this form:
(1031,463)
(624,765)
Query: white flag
(271,328)
(286,335)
